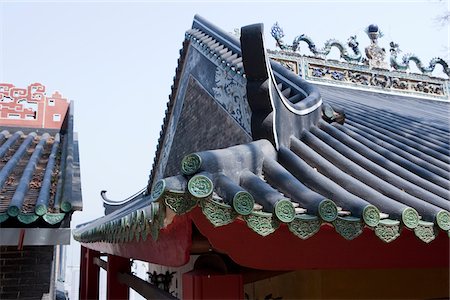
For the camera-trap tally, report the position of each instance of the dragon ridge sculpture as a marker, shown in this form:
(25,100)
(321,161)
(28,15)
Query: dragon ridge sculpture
(278,34)
(407,58)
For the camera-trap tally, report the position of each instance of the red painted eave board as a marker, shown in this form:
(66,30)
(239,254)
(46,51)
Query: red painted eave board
(171,249)
(282,250)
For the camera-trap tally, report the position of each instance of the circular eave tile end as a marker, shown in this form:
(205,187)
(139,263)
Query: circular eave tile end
(328,210)
(40,210)
(66,206)
(158,189)
(243,203)
(285,210)
(371,215)
(13,211)
(191,164)
(410,217)
(443,220)
(200,186)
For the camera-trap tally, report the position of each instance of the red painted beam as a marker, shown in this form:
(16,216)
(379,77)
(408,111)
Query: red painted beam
(171,249)
(282,250)
(114,288)
(89,274)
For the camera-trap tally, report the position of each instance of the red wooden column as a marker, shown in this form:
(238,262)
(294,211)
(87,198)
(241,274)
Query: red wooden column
(89,274)
(115,289)
(206,285)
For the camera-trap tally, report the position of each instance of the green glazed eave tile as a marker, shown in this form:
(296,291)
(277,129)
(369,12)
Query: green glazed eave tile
(261,222)
(53,218)
(426,231)
(348,227)
(305,226)
(388,230)
(179,202)
(3,217)
(219,214)
(27,218)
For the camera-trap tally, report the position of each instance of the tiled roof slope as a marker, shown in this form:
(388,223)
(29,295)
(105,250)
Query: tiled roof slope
(39,175)
(368,160)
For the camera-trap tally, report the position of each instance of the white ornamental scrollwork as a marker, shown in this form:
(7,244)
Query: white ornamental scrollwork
(232,96)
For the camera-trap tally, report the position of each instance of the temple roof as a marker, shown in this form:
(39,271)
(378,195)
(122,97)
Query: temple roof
(322,157)
(39,175)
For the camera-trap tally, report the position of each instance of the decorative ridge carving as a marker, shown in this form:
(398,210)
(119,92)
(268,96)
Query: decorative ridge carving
(374,53)
(362,77)
(352,43)
(409,57)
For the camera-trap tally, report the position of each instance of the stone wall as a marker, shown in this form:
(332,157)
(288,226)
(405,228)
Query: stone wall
(25,274)
(203,125)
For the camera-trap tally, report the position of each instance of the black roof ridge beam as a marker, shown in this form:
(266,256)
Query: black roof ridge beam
(377,158)
(265,82)
(62,166)
(15,206)
(68,203)
(228,160)
(407,152)
(329,189)
(372,167)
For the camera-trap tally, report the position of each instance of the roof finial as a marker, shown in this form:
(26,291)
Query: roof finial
(375,53)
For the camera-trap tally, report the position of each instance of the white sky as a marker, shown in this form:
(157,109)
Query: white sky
(117,59)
